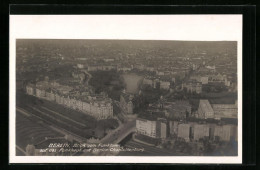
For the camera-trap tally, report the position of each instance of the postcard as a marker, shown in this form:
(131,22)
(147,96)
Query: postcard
(125,89)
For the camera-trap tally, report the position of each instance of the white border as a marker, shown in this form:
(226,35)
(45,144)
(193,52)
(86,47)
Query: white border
(153,27)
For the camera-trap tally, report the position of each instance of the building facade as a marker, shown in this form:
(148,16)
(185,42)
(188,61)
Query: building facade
(184,131)
(126,103)
(99,107)
(146,127)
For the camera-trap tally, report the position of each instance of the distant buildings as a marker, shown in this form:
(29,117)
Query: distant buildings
(98,67)
(101,67)
(124,69)
(165,85)
(156,82)
(217,78)
(80,66)
(202,79)
(148,81)
(192,86)
(79,75)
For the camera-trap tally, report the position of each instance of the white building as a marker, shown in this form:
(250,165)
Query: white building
(146,127)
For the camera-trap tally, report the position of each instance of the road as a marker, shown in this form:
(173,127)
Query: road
(121,132)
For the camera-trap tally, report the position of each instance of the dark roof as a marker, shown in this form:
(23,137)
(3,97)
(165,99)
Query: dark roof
(223,101)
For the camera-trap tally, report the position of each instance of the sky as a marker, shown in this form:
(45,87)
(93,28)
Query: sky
(145,27)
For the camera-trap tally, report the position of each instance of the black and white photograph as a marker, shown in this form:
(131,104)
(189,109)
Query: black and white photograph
(126,88)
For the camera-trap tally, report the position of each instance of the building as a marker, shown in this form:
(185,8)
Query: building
(40,93)
(225,110)
(152,126)
(80,66)
(217,111)
(225,132)
(179,109)
(192,86)
(184,131)
(126,102)
(146,127)
(98,106)
(139,67)
(80,76)
(50,95)
(202,79)
(173,125)
(148,81)
(217,78)
(205,110)
(161,128)
(93,68)
(159,73)
(200,131)
(165,85)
